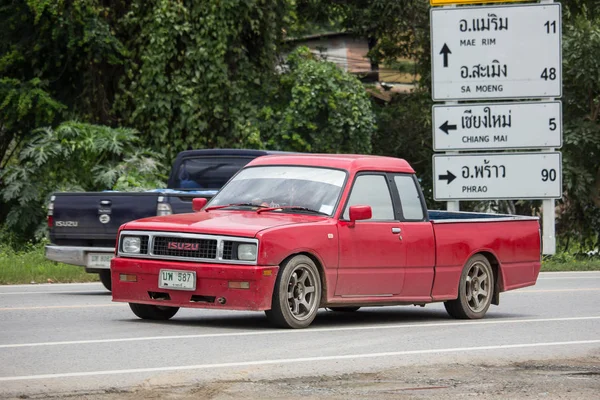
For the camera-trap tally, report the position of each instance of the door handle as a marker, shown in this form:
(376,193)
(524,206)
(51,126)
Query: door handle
(396,230)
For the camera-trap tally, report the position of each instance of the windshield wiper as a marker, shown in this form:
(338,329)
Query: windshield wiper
(291,208)
(233,205)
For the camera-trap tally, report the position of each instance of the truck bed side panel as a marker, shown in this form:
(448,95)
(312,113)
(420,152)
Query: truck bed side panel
(515,244)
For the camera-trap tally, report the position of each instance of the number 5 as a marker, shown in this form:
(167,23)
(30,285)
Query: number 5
(552,124)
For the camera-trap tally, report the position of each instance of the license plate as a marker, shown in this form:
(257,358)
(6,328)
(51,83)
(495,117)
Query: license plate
(99,260)
(177,280)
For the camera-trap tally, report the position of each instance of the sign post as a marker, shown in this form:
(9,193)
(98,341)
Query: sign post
(482,54)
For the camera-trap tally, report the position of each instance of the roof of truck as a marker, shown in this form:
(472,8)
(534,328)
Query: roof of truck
(350,162)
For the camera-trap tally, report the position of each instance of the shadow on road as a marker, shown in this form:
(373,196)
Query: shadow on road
(90,293)
(325,318)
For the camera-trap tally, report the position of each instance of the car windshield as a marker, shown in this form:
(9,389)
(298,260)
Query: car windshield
(310,188)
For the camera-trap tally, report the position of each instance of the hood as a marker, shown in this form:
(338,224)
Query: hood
(221,222)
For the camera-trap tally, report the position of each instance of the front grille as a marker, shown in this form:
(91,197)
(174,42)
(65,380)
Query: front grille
(185,247)
(228,250)
(144,245)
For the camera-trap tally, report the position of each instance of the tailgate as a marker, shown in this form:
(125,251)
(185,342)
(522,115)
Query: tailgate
(93,218)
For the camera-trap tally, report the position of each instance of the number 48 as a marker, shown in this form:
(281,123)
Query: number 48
(548,73)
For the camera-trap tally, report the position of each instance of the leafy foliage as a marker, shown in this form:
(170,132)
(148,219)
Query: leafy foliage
(580,206)
(199,70)
(57,58)
(73,157)
(320,108)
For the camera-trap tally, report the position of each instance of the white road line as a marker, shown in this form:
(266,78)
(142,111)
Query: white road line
(300,331)
(569,272)
(294,360)
(552,290)
(562,278)
(64,307)
(57,291)
(36,285)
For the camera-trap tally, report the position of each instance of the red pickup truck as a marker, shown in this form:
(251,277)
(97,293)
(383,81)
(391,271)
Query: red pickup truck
(290,234)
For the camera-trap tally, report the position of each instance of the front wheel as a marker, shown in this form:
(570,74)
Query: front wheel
(105,279)
(297,294)
(475,290)
(157,313)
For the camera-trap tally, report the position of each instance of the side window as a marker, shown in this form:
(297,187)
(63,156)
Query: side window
(371,190)
(409,197)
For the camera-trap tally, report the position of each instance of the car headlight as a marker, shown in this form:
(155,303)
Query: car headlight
(246,251)
(131,244)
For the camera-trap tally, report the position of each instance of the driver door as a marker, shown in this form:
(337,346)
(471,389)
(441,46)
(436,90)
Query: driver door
(371,253)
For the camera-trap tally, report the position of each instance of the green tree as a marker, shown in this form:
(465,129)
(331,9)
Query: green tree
(57,58)
(200,70)
(319,108)
(73,157)
(580,207)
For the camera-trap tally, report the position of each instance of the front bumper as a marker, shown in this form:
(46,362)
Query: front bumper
(78,255)
(212,284)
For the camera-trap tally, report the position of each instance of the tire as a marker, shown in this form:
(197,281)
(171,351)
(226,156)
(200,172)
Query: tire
(344,309)
(105,279)
(475,290)
(157,313)
(297,294)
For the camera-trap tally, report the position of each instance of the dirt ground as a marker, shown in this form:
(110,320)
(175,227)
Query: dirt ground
(556,379)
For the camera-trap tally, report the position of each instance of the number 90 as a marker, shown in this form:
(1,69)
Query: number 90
(548,175)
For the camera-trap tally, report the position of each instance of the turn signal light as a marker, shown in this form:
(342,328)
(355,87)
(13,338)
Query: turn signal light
(239,285)
(128,278)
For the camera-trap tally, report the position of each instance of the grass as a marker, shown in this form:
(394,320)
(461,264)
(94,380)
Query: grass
(570,263)
(30,266)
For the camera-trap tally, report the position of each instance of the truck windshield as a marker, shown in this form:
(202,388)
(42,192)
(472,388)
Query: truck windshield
(208,172)
(284,186)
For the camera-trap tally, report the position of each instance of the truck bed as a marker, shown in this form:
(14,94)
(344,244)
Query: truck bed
(511,242)
(438,216)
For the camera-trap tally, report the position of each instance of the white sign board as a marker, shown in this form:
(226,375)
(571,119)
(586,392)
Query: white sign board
(483,126)
(502,52)
(497,176)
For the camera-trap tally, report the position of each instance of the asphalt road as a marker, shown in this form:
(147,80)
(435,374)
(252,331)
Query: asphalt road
(57,339)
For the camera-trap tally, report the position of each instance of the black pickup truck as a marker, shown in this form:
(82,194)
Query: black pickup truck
(83,226)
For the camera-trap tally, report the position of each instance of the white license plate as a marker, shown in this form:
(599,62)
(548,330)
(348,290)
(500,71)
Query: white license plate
(99,260)
(177,280)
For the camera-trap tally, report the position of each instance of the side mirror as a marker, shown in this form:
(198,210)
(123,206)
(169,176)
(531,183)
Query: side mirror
(198,203)
(358,213)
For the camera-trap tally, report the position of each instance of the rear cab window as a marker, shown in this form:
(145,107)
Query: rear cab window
(411,202)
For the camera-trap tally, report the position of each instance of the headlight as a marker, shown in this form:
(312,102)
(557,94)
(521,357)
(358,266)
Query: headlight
(131,244)
(246,252)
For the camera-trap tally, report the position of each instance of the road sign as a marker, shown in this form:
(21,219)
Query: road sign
(483,126)
(450,2)
(497,176)
(502,52)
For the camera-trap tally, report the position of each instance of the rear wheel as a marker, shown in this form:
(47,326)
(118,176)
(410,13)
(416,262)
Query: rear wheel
(158,313)
(344,309)
(105,279)
(297,294)
(475,290)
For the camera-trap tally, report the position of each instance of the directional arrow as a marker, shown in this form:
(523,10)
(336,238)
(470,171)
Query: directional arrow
(445,51)
(445,127)
(449,177)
